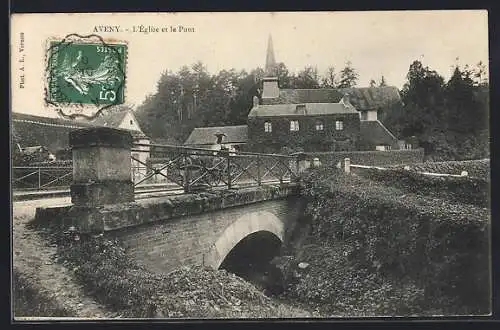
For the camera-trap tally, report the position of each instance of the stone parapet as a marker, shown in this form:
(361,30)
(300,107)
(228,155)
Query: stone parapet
(129,214)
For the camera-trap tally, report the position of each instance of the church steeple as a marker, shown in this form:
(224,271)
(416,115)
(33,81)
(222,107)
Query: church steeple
(270,60)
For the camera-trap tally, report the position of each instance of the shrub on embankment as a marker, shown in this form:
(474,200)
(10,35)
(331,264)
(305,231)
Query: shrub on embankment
(107,273)
(440,246)
(468,190)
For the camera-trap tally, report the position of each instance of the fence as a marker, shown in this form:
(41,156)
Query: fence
(195,168)
(179,167)
(41,177)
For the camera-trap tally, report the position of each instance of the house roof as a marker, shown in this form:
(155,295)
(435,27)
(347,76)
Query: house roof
(366,98)
(206,135)
(373,131)
(53,133)
(110,120)
(307,109)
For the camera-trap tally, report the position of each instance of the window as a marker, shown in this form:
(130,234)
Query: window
(319,125)
(268,127)
(131,122)
(339,125)
(294,125)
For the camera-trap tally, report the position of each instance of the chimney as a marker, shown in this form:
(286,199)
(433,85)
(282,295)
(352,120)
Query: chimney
(270,87)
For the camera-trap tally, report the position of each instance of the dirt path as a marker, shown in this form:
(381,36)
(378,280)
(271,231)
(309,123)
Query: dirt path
(34,258)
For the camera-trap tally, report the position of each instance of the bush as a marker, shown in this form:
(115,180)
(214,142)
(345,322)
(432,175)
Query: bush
(444,247)
(468,190)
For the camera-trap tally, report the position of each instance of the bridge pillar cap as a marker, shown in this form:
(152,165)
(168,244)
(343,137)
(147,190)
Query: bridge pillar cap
(100,136)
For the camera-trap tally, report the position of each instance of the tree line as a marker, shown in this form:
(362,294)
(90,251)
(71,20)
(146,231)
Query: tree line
(448,118)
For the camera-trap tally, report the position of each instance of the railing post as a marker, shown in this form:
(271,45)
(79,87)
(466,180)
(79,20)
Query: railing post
(185,174)
(259,179)
(228,171)
(101,166)
(39,178)
(347,165)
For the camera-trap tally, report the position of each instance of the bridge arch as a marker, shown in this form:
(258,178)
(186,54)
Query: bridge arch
(244,226)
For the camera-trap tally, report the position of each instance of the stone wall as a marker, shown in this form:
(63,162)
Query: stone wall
(371,158)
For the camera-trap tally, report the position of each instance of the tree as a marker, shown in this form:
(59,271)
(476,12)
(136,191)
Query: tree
(480,74)
(372,83)
(348,76)
(307,78)
(330,78)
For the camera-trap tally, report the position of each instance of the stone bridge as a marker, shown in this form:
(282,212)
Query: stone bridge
(163,233)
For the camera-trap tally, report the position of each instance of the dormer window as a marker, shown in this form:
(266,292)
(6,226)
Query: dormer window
(319,125)
(268,127)
(294,125)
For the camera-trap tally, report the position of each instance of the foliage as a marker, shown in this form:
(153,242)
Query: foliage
(449,119)
(348,76)
(337,286)
(442,247)
(109,274)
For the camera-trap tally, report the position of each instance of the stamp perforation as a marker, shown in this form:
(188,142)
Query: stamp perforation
(77,110)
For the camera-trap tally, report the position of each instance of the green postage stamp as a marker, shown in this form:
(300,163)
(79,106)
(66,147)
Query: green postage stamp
(85,74)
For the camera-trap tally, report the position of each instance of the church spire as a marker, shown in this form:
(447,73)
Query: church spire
(270,60)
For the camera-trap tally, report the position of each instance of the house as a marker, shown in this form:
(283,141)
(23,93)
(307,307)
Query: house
(303,126)
(229,137)
(323,119)
(53,133)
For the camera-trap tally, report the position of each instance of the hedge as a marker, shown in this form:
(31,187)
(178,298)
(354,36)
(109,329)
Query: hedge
(476,168)
(442,246)
(372,158)
(468,190)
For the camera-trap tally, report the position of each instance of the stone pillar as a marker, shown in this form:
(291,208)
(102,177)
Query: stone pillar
(347,165)
(101,167)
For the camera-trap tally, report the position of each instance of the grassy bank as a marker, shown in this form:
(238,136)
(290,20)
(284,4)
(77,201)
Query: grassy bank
(108,274)
(31,301)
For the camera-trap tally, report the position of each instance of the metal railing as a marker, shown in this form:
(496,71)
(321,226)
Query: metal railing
(41,177)
(178,168)
(195,168)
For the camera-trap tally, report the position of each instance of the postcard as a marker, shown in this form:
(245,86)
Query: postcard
(296,165)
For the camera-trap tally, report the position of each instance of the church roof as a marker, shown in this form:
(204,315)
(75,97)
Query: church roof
(207,135)
(365,98)
(307,109)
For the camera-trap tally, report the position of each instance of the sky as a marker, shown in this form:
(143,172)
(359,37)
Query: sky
(376,43)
